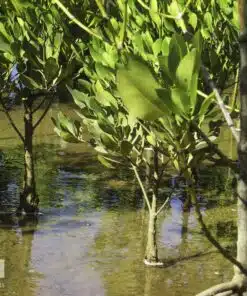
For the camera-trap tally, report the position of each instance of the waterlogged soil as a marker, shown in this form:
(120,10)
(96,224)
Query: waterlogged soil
(89,238)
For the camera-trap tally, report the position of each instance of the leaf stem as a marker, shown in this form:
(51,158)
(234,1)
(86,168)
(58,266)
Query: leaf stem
(75,20)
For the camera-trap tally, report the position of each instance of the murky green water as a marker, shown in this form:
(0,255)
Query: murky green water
(90,237)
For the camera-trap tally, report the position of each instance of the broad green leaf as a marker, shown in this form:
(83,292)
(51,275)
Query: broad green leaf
(151,138)
(173,8)
(154,5)
(109,142)
(105,162)
(125,147)
(181,100)
(177,50)
(106,126)
(5,33)
(106,99)
(186,69)
(51,69)
(79,97)
(193,90)
(4,45)
(137,87)
(165,47)
(193,20)
(103,71)
(205,105)
(68,124)
(30,82)
(166,74)
(66,136)
(157,46)
(208,20)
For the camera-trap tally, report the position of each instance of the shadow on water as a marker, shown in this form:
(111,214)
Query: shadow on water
(90,236)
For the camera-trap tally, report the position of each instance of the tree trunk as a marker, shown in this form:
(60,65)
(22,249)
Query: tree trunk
(242,147)
(28,199)
(151,249)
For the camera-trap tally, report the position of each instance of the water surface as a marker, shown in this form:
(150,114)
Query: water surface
(90,236)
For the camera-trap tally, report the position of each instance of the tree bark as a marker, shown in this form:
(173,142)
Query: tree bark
(151,249)
(242,147)
(28,199)
(239,283)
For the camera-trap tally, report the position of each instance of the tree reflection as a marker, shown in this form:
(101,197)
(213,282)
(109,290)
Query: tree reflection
(16,238)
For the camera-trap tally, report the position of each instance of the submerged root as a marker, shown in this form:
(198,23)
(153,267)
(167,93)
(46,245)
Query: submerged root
(234,287)
(153,263)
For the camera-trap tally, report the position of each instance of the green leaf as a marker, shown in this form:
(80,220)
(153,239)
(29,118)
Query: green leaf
(177,50)
(4,45)
(105,162)
(68,124)
(193,20)
(137,87)
(157,46)
(80,98)
(186,69)
(126,147)
(151,138)
(106,126)
(181,100)
(103,72)
(66,136)
(30,82)
(165,47)
(106,99)
(208,20)
(5,33)
(109,142)
(51,69)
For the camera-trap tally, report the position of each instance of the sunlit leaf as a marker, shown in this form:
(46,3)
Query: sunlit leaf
(137,87)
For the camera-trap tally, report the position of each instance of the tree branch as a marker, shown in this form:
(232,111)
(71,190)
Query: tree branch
(142,187)
(102,9)
(164,204)
(214,147)
(44,113)
(220,102)
(11,120)
(40,104)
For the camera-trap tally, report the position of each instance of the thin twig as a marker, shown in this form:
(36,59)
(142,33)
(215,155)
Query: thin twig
(164,204)
(75,20)
(44,113)
(37,108)
(142,187)
(235,90)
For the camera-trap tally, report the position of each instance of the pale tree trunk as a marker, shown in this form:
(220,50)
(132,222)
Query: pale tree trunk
(28,198)
(242,147)
(151,249)
(238,286)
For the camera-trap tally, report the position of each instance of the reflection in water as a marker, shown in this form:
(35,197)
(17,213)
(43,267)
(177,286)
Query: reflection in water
(16,247)
(90,236)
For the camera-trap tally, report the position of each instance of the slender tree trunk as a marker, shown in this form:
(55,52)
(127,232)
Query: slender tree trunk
(28,198)
(242,147)
(151,250)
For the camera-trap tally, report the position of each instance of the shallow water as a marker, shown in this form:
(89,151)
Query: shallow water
(90,236)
